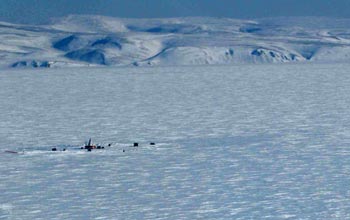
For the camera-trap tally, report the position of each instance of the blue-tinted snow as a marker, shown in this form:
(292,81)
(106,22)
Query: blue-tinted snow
(234,142)
(88,40)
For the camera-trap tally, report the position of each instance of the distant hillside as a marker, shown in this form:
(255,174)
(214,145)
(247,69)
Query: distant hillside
(106,41)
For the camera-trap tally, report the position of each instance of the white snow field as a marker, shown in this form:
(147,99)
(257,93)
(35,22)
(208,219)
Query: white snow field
(104,41)
(232,142)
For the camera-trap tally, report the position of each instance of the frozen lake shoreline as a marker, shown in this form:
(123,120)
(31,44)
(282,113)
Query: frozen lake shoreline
(242,142)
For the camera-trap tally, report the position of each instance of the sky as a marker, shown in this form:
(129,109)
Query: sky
(41,11)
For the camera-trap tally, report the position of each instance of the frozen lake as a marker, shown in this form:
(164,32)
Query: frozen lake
(233,142)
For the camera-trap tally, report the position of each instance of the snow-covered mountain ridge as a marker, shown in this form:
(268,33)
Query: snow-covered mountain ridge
(97,40)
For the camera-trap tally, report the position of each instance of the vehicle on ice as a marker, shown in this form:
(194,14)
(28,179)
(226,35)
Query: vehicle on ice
(89,146)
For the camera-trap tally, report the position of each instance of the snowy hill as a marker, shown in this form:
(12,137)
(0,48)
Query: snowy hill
(97,40)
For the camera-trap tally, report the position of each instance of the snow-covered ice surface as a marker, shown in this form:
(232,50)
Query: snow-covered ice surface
(233,142)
